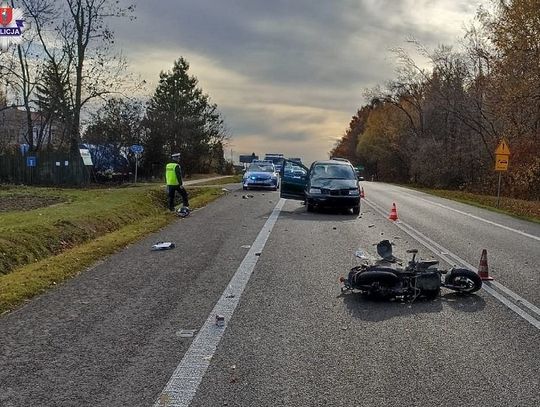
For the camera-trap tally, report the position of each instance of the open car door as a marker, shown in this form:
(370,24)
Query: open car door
(294,178)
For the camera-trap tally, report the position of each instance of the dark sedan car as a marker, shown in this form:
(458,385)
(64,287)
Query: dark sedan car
(329,183)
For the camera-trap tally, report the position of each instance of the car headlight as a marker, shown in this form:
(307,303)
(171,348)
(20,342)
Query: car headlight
(314,190)
(354,192)
(252,177)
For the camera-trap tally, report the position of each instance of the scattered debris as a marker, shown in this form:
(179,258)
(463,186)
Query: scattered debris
(163,246)
(334,228)
(224,189)
(244,197)
(361,254)
(220,320)
(258,254)
(186,333)
(251,196)
(397,237)
(230,296)
(246,246)
(371,226)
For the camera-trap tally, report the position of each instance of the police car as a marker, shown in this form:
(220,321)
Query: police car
(261,174)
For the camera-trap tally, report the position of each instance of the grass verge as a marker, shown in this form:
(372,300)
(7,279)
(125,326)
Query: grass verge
(34,277)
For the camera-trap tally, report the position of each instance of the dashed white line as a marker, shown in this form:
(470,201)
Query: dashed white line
(187,377)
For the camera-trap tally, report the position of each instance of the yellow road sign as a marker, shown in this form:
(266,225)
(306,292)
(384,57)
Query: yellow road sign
(502,149)
(501,162)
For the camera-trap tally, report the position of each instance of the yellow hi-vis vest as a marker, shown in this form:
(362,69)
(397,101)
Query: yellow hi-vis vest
(170,174)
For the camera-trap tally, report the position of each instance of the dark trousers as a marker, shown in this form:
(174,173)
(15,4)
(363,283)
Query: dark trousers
(171,190)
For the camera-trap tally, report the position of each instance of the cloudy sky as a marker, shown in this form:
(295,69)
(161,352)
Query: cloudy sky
(287,75)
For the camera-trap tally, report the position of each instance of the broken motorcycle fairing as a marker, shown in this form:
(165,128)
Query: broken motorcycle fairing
(388,278)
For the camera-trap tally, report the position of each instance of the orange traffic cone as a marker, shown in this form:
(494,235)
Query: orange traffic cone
(483,269)
(393,213)
(362,195)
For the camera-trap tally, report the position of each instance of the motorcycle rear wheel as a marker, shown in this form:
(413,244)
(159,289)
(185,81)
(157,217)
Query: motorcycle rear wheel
(464,281)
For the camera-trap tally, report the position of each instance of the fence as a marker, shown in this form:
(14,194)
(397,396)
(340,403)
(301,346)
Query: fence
(44,168)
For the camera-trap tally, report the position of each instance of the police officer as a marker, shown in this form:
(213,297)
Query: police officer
(173,175)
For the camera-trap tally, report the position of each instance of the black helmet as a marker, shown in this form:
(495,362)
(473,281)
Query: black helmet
(384,249)
(183,212)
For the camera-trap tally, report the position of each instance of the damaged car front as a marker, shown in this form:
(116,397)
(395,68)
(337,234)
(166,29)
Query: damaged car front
(327,184)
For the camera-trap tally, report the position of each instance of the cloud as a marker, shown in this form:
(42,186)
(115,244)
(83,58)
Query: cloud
(287,75)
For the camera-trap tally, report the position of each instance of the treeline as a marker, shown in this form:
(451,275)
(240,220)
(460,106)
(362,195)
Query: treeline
(68,84)
(439,127)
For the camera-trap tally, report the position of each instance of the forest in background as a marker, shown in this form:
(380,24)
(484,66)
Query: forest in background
(439,127)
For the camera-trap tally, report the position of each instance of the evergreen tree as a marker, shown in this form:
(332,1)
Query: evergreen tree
(181,119)
(52,94)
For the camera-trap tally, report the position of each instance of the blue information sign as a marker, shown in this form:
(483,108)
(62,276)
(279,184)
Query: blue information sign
(137,149)
(31,161)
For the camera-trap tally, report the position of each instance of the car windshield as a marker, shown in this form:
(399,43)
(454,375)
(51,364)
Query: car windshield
(261,168)
(333,171)
(290,168)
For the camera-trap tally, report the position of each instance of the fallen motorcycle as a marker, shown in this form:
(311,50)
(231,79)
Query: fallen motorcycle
(387,278)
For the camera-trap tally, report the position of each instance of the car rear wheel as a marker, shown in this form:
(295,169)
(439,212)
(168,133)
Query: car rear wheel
(245,188)
(356,210)
(310,207)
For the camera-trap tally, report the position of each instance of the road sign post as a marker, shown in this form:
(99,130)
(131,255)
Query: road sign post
(136,166)
(136,149)
(502,155)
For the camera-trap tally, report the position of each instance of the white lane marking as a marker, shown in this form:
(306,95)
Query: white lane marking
(443,252)
(474,217)
(187,377)
(516,297)
(529,318)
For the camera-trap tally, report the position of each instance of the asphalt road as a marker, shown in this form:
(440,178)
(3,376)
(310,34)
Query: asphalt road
(110,336)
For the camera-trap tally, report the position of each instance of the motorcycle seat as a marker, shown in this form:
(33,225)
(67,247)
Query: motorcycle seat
(382,268)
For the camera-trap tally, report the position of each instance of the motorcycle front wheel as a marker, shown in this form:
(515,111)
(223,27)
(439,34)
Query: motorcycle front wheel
(463,281)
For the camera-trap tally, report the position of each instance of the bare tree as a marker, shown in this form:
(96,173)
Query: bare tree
(21,69)
(79,48)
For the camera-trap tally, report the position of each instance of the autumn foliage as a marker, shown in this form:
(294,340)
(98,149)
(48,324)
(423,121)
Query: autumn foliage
(439,127)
